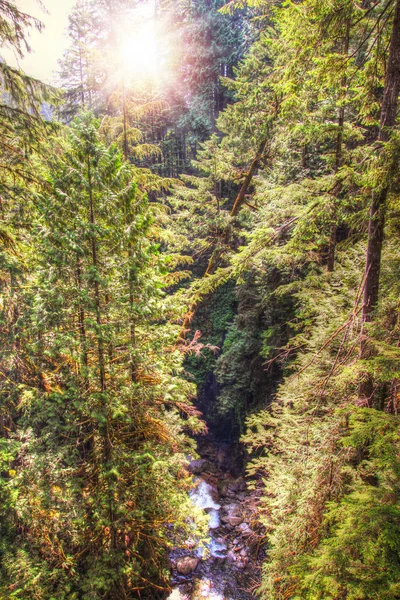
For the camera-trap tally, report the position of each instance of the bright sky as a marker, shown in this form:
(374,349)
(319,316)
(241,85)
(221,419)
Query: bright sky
(48,46)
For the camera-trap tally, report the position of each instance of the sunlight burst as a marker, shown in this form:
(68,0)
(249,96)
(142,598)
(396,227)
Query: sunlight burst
(140,56)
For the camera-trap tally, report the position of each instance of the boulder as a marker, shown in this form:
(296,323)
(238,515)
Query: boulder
(214,493)
(232,488)
(198,466)
(244,529)
(232,515)
(238,485)
(187,565)
(223,486)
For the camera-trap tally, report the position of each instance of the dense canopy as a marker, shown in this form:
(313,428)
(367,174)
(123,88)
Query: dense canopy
(199,244)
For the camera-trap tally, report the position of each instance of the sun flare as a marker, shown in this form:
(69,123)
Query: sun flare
(139,53)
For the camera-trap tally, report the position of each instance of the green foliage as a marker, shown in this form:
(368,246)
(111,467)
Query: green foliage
(309,94)
(99,488)
(213,321)
(245,378)
(359,557)
(95,397)
(22,98)
(200,214)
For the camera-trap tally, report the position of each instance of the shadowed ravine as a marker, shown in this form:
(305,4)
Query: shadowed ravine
(230,570)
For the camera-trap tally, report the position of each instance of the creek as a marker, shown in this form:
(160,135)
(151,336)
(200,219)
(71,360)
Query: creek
(229,568)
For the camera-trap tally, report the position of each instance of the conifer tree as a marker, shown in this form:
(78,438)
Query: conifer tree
(376,223)
(312,83)
(22,98)
(101,462)
(79,74)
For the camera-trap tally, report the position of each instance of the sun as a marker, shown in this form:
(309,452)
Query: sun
(140,54)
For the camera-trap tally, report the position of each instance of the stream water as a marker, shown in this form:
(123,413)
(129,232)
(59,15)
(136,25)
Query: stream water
(228,569)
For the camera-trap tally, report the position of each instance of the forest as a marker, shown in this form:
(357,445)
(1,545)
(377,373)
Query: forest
(199,305)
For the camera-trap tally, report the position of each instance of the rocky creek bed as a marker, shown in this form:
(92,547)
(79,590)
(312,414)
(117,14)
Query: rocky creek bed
(231,572)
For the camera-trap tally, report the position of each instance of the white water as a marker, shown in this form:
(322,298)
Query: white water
(202,497)
(217,548)
(204,591)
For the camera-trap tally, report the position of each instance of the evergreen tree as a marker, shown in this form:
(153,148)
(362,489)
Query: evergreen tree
(79,74)
(300,341)
(22,98)
(303,127)
(101,454)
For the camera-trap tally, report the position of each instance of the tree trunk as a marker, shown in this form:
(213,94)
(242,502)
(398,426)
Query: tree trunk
(81,325)
(338,157)
(216,257)
(377,210)
(100,342)
(240,199)
(376,221)
(106,428)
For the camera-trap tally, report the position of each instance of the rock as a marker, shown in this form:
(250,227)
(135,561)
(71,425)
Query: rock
(218,548)
(198,466)
(214,493)
(231,495)
(244,529)
(187,565)
(225,519)
(232,515)
(232,507)
(190,544)
(223,486)
(211,468)
(233,520)
(220,458)
(238,485)
(221,540)
(231,488)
